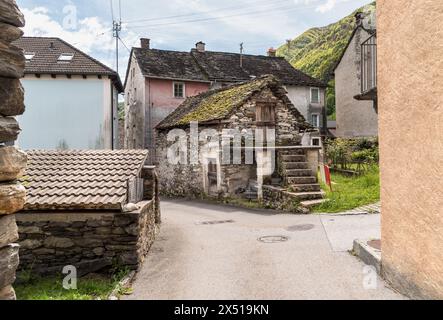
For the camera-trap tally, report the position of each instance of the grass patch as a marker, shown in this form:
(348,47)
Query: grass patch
(351,192)
(91,287)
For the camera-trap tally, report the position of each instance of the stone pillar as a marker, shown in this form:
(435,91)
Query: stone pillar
(12,161)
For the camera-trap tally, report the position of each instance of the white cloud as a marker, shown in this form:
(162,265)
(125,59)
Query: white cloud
(328,5)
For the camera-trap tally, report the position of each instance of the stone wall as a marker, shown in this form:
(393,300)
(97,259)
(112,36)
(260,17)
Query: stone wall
(12,161)
(279,198)
(410,87)
(190,180)
(90,241)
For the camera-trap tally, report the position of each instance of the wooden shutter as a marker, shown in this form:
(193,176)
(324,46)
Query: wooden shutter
(265,113)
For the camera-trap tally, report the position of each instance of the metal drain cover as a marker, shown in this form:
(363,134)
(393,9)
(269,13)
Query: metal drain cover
(206,223)
(301,227)
(273,239)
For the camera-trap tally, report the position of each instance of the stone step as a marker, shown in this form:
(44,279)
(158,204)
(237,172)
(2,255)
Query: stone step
(309,204)
(296,165)
(298,173)
(294,158)
(306,187)
(301,180)
(305,196)
(294,152)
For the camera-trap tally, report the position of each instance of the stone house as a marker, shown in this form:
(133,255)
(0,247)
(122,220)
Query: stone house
(253,112)
(356,84)
(71,98)
(90,209)
(158,81)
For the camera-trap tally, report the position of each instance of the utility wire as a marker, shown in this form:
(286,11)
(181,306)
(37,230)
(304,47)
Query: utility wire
(246,5)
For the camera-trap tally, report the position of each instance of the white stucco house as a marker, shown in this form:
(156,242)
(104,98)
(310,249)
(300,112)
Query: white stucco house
(71,98)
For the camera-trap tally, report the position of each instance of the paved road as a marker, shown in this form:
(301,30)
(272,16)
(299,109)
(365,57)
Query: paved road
(191,260)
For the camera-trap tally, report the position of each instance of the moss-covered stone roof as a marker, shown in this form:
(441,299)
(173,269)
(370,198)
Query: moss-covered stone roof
(220,104)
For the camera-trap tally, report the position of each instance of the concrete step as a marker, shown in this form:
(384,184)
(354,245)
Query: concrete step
(295,165)
(298,173)
(305,196)
(309,204)
(306,187)
(294,152)
(294,158)
(301,180)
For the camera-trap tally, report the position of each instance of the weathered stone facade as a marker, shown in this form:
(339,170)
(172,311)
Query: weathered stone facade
(12,161)
(191,180)
(90,241)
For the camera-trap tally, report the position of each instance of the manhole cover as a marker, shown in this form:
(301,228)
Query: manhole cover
(273,239)
(376,244)
(214,222)
(301,227)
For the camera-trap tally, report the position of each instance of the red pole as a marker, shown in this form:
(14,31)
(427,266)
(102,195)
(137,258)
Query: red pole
(328,177)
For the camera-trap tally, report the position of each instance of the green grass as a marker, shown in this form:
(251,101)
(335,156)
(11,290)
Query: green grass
(92,287)
(351,192)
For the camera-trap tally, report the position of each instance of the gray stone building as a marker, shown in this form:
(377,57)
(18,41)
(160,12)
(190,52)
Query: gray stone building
(208,167)
(158,81)
(356,85)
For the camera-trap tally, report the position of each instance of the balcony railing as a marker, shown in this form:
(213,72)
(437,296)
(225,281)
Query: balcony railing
(369,65)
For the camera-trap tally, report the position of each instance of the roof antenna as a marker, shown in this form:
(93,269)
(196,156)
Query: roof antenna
(241,55)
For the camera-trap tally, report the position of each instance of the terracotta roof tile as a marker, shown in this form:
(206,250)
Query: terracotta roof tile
(69,180)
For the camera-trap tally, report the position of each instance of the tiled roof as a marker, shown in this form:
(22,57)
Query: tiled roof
(80,180)
(225,66)
(221,66)
(168,64)
(220,104)
(47,52)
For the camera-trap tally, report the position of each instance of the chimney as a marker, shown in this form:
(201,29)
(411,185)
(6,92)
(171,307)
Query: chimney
(359,17)
(200,46)
(145,43)
(51,45)
(272,52)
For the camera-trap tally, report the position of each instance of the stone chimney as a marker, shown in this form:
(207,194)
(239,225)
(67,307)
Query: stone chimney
(359,17)
(272,52)
(200,46)
(145,43)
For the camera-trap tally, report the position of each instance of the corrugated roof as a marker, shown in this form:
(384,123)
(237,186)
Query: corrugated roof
(80,180)
(46,59)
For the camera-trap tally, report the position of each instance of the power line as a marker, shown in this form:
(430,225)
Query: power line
(246,5)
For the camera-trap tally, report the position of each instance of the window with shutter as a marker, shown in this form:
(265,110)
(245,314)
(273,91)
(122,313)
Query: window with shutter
(265,113)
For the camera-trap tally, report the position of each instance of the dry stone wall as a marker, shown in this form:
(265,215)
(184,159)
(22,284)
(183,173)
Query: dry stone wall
(12,161)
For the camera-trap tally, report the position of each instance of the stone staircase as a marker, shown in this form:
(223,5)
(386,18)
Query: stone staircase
(299,178)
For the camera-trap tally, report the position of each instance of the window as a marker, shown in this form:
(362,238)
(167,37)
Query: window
(316,142)
(66,57)
(315,120)
(179,90)
(29,56)
(265,113)
(315,95)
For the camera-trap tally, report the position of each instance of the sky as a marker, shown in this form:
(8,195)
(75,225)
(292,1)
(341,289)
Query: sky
(179,24)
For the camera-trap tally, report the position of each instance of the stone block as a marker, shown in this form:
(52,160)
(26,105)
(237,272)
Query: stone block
(8,230)
(12,61)
(8,264)
(54,242)
(10,13)
(9,33)
(12,198)
(9,129)
(12,163)
(7,294)
(11,97)
(30,244)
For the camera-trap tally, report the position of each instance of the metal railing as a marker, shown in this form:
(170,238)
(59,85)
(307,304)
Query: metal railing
(369,64)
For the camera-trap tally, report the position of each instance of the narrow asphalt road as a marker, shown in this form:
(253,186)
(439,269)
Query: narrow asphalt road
(192,260)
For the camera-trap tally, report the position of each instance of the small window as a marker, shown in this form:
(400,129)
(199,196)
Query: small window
(66,57)
(315,120)
(29,56)
(179,90)
(316,142)
(265,113)
(315,95)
